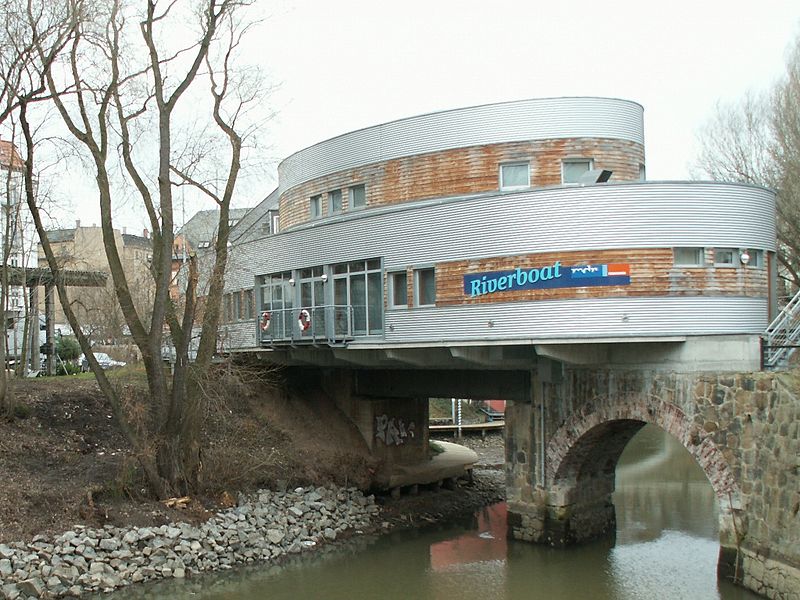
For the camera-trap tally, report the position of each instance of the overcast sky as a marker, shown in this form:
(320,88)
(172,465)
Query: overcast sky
(346,64)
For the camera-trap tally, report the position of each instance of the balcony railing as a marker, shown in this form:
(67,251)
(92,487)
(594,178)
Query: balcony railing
(327,324)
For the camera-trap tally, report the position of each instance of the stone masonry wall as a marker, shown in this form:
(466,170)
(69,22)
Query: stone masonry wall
(743,430)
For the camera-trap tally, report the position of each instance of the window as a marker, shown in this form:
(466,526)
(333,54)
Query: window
(335,201)
(688,257)
(227,308)
(572,169)
(515,176)
(249,304)
(398,289)
(358,286)
(273,216)
(725,257)
(642,172)
(238,307)
(424,287)
(756,258)
(358,196)
(277,298)
(315,206)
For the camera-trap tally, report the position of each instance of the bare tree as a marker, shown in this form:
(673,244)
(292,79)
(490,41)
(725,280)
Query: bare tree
(33,33)
(128,81)
(757,140)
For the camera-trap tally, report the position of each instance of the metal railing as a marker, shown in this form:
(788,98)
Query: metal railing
(326,323)
(780,340)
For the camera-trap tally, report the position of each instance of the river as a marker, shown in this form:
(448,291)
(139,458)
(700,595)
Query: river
(665,548)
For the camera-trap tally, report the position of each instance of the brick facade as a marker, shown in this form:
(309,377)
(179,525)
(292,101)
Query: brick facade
(653,273)
(459,171)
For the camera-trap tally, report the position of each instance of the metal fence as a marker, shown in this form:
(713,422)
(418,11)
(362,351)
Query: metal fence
(328,323)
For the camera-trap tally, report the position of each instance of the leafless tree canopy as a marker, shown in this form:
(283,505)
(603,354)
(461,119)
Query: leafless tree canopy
(757,140)
(152,93)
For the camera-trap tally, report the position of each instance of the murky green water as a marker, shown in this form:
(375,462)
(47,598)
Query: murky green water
(666,548)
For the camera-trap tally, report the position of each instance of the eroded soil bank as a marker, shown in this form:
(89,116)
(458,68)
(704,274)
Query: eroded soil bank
(66,468)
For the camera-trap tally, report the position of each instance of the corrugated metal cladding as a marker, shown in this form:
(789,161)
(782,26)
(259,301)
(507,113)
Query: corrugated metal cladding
(238,335)
(535,119)
(602,317)
(634,215)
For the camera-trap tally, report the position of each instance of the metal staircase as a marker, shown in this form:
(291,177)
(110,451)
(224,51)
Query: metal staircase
(782,337)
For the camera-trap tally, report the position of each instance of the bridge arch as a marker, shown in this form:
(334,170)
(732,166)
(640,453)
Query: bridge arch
(580,470)
(591,440)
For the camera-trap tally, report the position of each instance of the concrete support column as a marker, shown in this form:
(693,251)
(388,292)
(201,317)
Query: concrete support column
(33,329)
(50,324)
(394,429)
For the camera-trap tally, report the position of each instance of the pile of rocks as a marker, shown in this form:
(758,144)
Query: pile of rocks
(262,527)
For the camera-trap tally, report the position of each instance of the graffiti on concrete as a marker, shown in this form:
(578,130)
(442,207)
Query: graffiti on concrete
(392,431)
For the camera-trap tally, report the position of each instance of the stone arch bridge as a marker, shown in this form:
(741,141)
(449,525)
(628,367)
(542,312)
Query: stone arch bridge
(566,426)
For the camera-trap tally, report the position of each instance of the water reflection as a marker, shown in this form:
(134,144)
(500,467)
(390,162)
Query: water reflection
(666,547)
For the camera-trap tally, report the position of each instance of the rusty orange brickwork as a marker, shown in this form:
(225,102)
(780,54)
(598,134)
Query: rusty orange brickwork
(652,273)
(460,171)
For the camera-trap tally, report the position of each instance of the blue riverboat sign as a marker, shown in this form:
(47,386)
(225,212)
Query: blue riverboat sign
(546,277)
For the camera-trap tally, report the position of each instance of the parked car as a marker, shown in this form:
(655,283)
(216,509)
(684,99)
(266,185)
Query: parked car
(105,361)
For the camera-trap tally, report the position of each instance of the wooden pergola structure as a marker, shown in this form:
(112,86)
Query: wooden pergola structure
(32,279)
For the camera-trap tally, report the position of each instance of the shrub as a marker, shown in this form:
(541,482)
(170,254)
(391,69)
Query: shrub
(67,348)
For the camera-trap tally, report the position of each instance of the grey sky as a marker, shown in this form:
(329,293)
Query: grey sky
(348,64)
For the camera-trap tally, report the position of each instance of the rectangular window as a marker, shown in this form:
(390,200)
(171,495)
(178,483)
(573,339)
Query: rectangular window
(238,306)
(227,308)
(572,169)
(756,258)
(688,257)
(642,172)
(249,305)
(335,201)
(515,176)
(315,206)
(358,196)
(424,287)
(358,288)
(273,215)
(398,289)
(725,257)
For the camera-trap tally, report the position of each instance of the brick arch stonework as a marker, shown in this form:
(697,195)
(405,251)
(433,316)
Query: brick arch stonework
(743,429)
(585,438)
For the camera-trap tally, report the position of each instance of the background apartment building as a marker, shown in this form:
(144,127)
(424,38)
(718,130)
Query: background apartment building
(97,309)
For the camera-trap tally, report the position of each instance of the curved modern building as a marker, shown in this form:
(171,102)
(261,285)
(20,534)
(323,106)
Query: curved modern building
(484,230)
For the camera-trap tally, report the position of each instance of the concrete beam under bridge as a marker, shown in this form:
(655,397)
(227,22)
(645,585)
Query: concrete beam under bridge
(445,383)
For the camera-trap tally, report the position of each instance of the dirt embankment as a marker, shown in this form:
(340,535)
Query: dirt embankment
(64,461)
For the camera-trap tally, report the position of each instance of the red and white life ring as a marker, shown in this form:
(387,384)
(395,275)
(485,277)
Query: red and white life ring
(265,319)
(304,320)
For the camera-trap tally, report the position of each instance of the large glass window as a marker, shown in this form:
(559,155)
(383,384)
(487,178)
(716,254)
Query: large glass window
(277,299)
(312,299)
(335,201)
(358,290)
(572,169)
(358,196)
(514,176)
(424,287)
